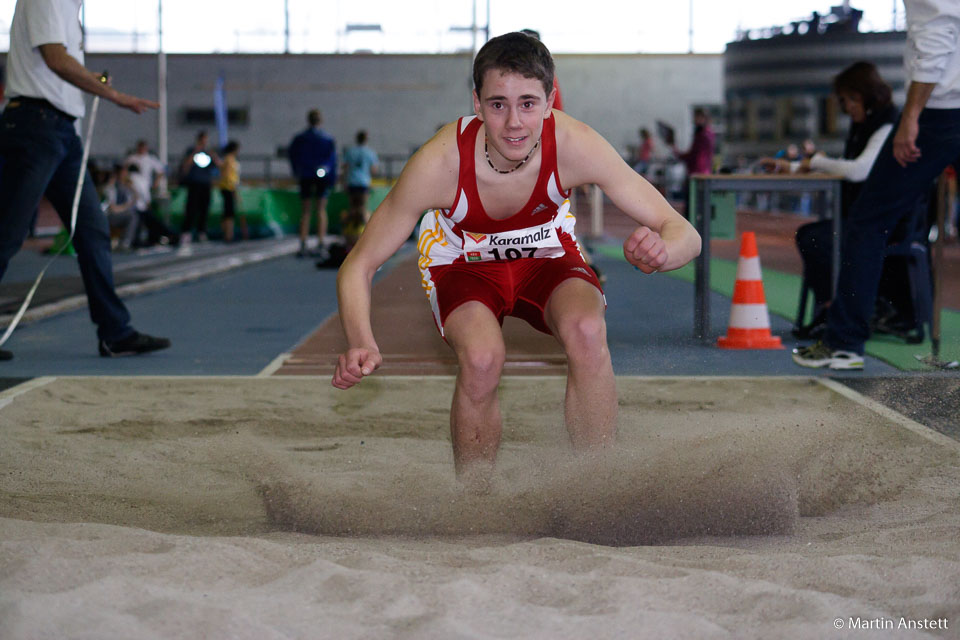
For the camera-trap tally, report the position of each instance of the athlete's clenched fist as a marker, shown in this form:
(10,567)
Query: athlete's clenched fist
(354,365)
(645,250)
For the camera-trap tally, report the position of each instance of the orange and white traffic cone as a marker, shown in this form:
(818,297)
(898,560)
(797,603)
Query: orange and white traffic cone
(749,319)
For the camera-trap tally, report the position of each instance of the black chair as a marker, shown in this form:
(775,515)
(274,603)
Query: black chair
(909,245)
(914,252)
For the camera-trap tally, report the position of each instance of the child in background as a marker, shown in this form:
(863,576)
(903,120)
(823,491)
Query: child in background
(228,184)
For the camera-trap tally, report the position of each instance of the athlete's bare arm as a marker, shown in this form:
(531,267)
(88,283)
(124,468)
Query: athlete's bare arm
(428,181)
(665,240)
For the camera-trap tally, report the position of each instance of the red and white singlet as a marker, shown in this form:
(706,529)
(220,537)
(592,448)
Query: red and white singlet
(542,228)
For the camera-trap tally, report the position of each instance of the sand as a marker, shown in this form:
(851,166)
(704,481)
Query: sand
(281,508)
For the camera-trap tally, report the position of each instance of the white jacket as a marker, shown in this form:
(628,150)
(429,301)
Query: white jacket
(933,49)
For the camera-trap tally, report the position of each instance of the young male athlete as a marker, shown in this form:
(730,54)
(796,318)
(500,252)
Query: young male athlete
(498,239)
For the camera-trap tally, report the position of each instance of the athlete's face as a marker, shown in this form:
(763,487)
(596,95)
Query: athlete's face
(513,109)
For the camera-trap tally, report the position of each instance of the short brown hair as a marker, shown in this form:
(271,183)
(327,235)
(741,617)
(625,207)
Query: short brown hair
(314,117)
(517,53)
(863,79)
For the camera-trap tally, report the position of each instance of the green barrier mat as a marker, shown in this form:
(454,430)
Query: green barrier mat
(782,291)
(269,212)
(723,214)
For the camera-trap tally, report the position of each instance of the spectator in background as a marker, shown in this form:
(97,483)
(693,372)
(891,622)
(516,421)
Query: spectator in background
(42,154)
(148,176)
(313,158)
(868,100)
(644,152)
(925,142)
(197,171)
(120,206)
(699,157)
(228,185)
(157,230)
(151,173)
(790,154)
(360,163)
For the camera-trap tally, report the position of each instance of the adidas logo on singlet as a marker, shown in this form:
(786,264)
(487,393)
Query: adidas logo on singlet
(540,207)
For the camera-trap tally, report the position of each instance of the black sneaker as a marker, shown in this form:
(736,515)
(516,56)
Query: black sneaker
(134,344)
(6,355)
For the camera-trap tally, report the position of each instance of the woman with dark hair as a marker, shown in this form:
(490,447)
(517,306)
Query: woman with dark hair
(867,99)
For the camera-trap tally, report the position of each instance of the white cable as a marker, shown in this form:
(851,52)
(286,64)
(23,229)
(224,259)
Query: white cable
(73,222)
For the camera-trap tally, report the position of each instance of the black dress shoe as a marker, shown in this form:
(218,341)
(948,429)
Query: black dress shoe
(134,344)
(6,355)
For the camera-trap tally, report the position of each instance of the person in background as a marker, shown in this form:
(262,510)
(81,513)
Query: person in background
(119,202)
(360,165)
(229,184)
(699,157)
(644,152)
(197,171)
(925,142)
(313,158)
(868,100)
(150,176)
(158,233)
(42,154)
(360,162)
(790,154)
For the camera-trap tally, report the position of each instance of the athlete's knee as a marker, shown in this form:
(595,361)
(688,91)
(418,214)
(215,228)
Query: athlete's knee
(480,367)
(584,337)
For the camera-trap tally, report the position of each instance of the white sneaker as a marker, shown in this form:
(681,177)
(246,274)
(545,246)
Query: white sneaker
(819,355)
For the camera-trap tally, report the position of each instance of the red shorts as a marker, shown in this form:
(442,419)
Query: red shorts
(518,288)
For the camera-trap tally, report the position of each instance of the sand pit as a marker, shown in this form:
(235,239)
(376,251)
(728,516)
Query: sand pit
(281,508)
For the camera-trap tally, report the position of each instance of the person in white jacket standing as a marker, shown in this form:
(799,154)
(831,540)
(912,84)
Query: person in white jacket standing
(926,141)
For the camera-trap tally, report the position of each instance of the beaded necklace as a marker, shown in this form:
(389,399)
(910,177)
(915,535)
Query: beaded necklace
(522,162)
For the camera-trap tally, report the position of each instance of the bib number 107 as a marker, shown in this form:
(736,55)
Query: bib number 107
(512,253)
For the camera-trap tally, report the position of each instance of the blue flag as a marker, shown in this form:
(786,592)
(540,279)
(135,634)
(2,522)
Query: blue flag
(220,111)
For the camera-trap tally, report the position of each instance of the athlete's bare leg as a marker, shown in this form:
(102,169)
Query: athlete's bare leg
(475,424)
(575,315)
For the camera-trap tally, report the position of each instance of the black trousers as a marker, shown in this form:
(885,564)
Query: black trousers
(198,208)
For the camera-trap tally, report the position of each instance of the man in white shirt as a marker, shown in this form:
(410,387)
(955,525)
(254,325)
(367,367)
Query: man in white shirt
(42,156)
(926,141)
(149,176)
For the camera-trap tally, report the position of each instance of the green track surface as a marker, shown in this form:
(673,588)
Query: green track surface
(782,291)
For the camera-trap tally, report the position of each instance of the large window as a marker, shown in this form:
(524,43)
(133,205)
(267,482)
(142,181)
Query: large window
(428,26)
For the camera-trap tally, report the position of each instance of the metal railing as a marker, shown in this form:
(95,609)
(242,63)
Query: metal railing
(261,169)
